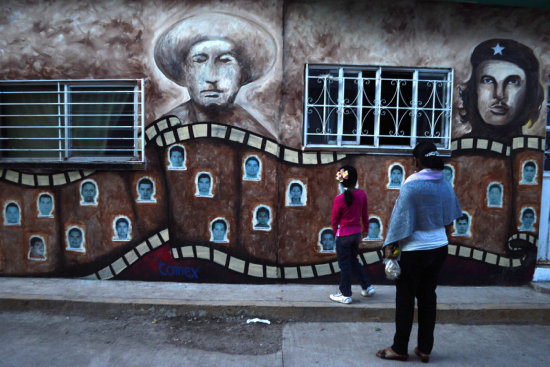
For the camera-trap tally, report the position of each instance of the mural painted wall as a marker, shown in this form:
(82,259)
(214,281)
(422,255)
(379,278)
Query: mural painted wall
(227,194)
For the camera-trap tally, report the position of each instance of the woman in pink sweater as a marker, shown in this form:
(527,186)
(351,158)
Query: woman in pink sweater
(347,211)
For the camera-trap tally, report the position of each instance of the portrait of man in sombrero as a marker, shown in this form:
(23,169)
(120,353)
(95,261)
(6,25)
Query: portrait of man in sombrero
(504,92)
(213,55)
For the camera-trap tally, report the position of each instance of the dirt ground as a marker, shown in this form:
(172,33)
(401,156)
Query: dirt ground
(232,335)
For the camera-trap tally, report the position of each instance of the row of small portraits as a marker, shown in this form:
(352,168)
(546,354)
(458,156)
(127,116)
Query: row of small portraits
(297,190)
(528,173)
(76,239)
(219,230)
(297,196)
(252,169)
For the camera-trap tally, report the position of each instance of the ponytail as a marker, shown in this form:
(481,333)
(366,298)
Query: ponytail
(348,196)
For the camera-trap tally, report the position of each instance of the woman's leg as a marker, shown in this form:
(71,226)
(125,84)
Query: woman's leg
(343,253)
(405,288)
(427,298)
(356,266)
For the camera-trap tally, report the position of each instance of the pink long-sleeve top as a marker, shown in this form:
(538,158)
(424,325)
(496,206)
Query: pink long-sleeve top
(346,220)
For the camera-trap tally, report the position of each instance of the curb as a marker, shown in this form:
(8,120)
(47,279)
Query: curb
(470,314)
(543,287)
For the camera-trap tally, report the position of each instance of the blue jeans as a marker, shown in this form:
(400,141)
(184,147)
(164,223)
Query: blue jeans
(347,249)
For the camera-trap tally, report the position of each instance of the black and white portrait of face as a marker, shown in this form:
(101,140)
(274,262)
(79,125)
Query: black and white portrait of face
(75,239)
(396,173)
(176,157)
(528,219)
(252,168)
(122,229)
(494,194)
(262,218)
(219,230)
(88,193)
(375,229)
(529,173)
(37,249)
(146,190)
(504,92)
(213,55)
(45,205)
(204,185)
(327,241)
(296,193)
(449,174)
(462,225)
(12,214)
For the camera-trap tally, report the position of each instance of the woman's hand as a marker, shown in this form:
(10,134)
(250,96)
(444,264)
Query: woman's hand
(391,251)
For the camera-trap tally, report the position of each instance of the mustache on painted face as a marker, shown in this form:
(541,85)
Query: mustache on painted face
(499,108)
(211,92)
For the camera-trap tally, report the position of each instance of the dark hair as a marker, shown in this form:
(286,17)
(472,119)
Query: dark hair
(177,148)
(492,186)
(44,196)
(523,57)
(35,240)
(12,204)
(396,167)
(528,210)
(219,221)
(530,164)
(327,231)
(295,184)
(252,158)
(349,183)
(262,209)
(203,175)
(87,183)
(374,220)
(145,181)
(75,229)
(462,217)
(432,161)
(120,220)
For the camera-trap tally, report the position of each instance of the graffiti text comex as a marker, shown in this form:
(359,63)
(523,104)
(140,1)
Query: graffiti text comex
(186,271)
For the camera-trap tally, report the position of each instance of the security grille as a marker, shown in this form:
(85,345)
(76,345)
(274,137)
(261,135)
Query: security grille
(72,121)
(377,107)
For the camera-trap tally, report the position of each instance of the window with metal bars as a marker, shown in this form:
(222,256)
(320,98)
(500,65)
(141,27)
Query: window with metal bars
(84,121)
(381,108)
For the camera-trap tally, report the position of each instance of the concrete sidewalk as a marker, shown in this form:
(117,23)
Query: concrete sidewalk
(290,302)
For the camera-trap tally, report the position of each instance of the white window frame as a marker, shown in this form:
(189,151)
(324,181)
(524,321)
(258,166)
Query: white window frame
(323,106)
(64,117)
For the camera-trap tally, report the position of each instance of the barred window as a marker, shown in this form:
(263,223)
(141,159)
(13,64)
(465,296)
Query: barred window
(84,121)
(382,108)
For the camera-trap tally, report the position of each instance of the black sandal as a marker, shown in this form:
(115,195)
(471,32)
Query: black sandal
(424,358)
(388,353)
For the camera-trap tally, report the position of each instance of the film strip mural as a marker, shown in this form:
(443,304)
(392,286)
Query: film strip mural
(43,180)
(491,146)
(169,131)
(257,270)
(131,257)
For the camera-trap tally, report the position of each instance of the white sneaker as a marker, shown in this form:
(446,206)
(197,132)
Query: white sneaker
(368,292)
(339,297)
